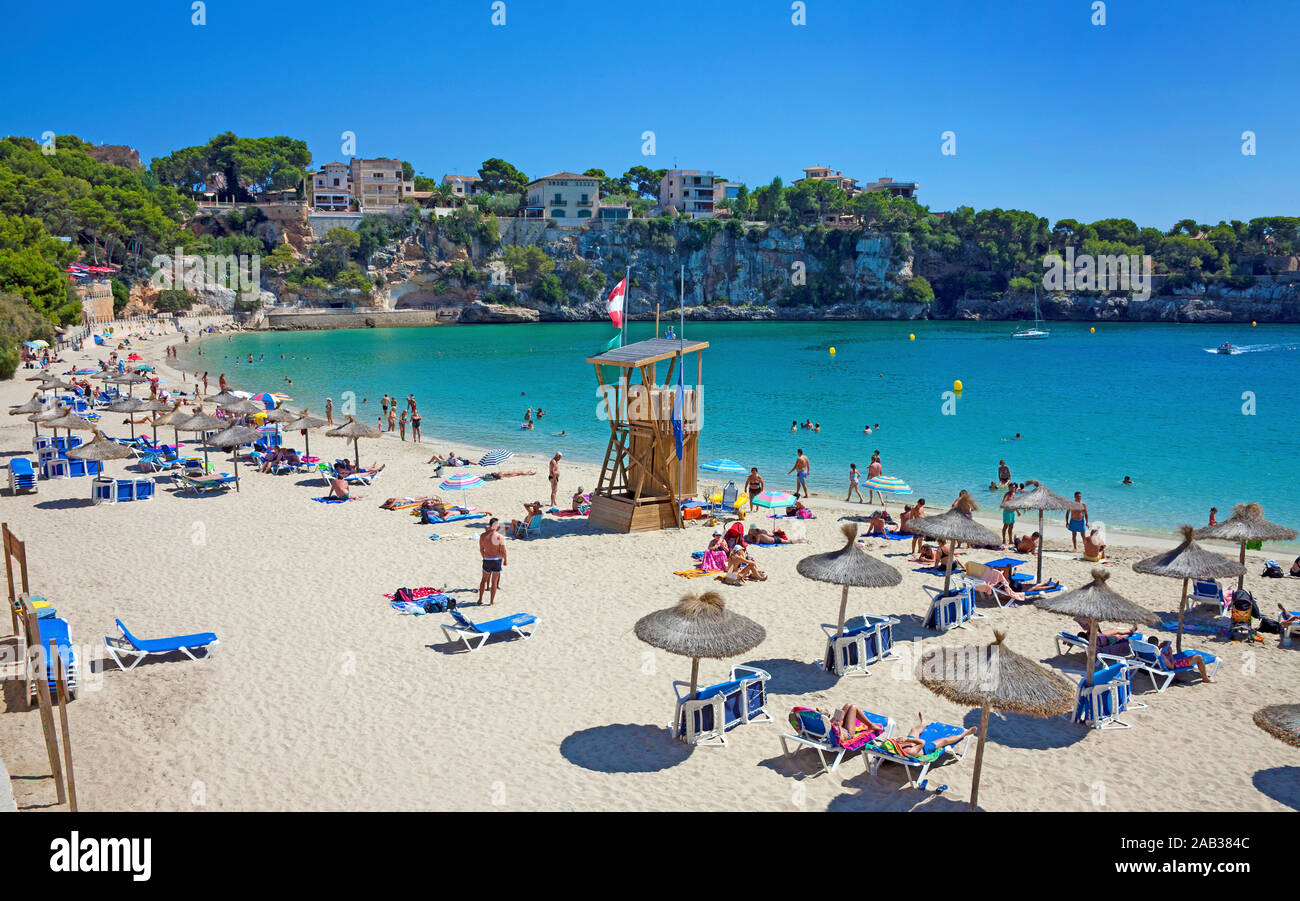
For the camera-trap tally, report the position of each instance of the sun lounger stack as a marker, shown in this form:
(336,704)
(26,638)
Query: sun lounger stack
(812,729)
(116,491)
(951,609)
(22,476)
(52,628)
(705,718)
(864,641)
(1101,704)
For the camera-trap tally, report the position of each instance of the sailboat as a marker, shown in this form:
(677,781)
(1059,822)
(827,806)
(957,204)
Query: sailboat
(1037,331)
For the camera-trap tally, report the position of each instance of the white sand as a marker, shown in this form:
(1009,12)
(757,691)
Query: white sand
(321,697)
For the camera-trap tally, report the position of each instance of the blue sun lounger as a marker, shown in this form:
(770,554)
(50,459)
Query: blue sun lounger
(22,475)
(1110,695)
(813,730)
(875,753)
(131,647)
(705,718)
(1146,657)
(55,629)
(475,635)
(864,641)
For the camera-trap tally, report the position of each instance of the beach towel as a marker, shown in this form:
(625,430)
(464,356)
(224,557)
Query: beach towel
(555,511)
(691,573)
(456,517)
(713,561)
(405,607)
(890,746)
(330,500)
(1171,625)
(436,537)
(421,593)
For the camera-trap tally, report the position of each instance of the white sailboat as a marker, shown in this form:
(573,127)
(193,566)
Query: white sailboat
(1037,331)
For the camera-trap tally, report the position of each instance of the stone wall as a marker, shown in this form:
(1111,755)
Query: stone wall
(332,319)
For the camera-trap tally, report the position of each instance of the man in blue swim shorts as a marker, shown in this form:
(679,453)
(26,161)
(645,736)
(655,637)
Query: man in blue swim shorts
(800,470)
(1077,520)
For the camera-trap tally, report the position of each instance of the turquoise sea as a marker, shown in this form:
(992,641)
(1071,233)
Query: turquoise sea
(1151,401)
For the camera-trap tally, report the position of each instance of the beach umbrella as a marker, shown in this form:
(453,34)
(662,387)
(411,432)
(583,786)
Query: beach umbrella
(70,421)
(280,415)
(130,379)
(1188,561)
(35,405)
(356,431)
(128,406)
(1040,498)
(151,405)
(37,343)
(723,465)
(495,457)
(773,500)
(231,438)
(850,566)
(99,450)
(462,481)
(200,423)
(1282,721)
(40,419)
(243,408)
(993,677)
(304,423)
(954,526)
(1247,523)
(886,483)
(268,400)
(700,626)
(1096,602)
(225,397)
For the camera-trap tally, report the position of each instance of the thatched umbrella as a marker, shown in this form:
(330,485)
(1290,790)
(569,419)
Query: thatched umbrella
(1188,561)
(849,566)
(280,415)
(1040,498)
(700,626)
(1247,523)
(952,526)
(99,450)
(130,379)
(128,406)
(225,397)
(356,431)
(201,422)
(43,419)
(1282,721)
(243,407)
(153,405)
(994,677)
(54,383)
(70,421)
(35,405)
(232,437)
(1096,602)
(304,423)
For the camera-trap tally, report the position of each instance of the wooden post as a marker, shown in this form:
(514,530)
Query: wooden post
(979,758)
(63,723)
(1092,649)
(1182,605)
(844,603)
(1042,538)
(9,576)
(1242,578)
(43,696)
(695,674)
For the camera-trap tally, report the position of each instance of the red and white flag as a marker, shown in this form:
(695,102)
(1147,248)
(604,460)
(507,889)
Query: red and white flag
(615,305)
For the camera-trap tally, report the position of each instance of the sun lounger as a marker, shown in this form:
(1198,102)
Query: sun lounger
(1101,704)
(1115,650)
(813,730)
(1208,591)
(135,649)
(951,610)
(475,635)
(220,482)
(1146,657)
(22,475)
(863,642)
(52,629)
(882,751)
(704,719)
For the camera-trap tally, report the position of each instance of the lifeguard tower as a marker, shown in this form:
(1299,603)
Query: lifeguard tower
(641,478)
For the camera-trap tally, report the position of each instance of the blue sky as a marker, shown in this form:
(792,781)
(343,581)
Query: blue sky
(1140,118)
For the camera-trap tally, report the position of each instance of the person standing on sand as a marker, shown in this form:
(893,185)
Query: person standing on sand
(415,424)
(392,418)
(492,548)
(329,410)
(401,425)
(221,383)
(1008,517)
(874,468)
(853,482)
(753,487)
(554,475)
(1077,521)
(800,470)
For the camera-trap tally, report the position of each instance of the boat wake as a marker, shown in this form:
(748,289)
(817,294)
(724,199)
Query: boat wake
(1252,348)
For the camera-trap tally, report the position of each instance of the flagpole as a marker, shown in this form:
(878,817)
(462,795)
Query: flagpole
(680,396)
(627,301)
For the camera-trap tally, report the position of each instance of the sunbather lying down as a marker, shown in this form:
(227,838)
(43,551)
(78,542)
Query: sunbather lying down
(489,476)
(996,580)
(851,724)
(394,503)
(913,745)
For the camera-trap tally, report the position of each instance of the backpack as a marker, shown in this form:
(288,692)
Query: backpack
(404,595)
(1273,570)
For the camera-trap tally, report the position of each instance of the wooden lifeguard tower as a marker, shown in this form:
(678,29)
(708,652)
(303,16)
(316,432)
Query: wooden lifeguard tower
(641,479)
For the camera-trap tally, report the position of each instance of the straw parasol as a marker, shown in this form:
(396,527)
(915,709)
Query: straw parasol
(130,379)
(280,415)
(356,431)
(1188,561)
(70,421)
(99,450)
(153,405)
(1096,602)
(223,398)
(305,423)
(1247,523)
(128,406)
(700,626)
(232,437)
(242,407)
(850,566)
(1282,721)
(35,405)
(993,677)
(44,418)
(200,422)
(1040,498)
(952,526)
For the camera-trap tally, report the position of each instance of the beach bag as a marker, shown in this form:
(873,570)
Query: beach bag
(1268,625)
(1273,570)
(434,606)
(404,595)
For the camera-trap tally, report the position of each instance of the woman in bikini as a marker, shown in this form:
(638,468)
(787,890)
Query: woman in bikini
(913,745)
(854,477)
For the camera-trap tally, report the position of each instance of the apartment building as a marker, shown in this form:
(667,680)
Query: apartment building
(688,191)
(464,186)
(825,173)
(378,184)
(896,188)
(563,196)
(331,188)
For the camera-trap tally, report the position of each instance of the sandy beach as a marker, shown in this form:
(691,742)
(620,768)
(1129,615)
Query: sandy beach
(322,697)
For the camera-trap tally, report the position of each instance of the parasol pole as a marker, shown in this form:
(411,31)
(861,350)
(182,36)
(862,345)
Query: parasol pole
(1242,559)
(695,674)
(1092,650)
(844,603)
(947,574)
(1042,537)
(979,758)
(1182,605)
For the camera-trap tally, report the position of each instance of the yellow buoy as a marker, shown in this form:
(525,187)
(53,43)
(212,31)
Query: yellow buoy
(956,386)
(832,351)
(911,337)
(1252,323)
(1092,330)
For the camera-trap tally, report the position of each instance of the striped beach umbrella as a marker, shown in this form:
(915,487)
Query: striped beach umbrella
(886,483)
(495,457)
(723,465)
(461,482)
(269,399)
(773,500)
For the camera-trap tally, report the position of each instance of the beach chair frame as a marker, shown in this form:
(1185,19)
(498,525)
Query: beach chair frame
(851,652)
(704,722)
(125,647)
(1111,695)
(1199,595)
(825,743)
(473,636)
(1146,657)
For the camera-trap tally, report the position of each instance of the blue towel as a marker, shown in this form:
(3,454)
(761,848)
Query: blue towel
(405,607)
(329,500)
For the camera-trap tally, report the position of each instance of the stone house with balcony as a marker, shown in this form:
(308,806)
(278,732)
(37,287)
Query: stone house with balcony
(565,197)
(378,184)
(688,191)
(331,189)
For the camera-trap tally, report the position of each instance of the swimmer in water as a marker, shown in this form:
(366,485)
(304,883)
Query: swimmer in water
(1127,481)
